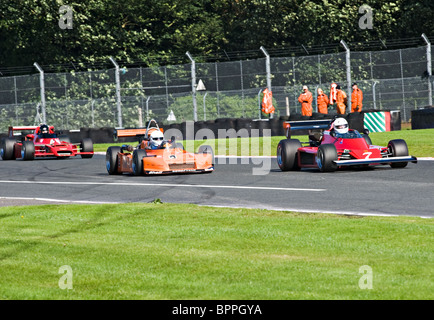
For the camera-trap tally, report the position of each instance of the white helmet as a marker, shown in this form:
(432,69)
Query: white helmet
(156,139)
(340,125)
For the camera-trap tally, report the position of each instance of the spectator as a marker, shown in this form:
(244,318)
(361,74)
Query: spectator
(322,101)
(306,102)
(356,99)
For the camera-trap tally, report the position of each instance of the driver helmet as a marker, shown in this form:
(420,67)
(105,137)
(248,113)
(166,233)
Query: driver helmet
(43,129)
(340,125)
(156,139)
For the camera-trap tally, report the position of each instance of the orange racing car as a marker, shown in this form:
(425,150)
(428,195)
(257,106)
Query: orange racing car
(155,155)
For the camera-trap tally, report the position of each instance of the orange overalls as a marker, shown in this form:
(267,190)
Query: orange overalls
(306,103)
(322,102)
(356,100)
(341,101)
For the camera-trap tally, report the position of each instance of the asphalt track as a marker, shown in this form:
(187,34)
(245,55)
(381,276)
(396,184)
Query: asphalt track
(236,182)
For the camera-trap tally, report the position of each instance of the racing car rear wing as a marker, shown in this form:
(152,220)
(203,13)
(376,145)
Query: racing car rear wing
(289,126)
(138,132)
(11,130)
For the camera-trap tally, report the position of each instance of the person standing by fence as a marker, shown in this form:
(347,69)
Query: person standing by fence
(322,101)
(356,99)
(306,102)
(341,100)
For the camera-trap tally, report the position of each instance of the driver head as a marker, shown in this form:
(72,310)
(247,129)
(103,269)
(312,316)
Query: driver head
(43,128)
(156,138)
(340,125)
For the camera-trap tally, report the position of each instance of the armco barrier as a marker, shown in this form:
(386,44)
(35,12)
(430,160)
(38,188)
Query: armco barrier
(422,118)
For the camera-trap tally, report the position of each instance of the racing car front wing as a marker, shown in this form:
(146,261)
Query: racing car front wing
(374,161)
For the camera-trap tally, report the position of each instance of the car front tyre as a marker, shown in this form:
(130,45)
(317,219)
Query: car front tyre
(398,148)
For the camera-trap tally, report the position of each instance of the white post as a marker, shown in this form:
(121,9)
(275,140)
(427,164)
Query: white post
(193,84)
(348,63)
(428,67)
(268,70)
(118,92)
(42,84)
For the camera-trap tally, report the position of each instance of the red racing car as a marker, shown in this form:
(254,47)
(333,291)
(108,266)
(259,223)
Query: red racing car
(333,145)
(42,142)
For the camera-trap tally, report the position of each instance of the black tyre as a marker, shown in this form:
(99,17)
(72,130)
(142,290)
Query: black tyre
(28,150)
(138,156)
(287,154)
(179,145)
(398,148)
(111,160)
(208,150)
(64,138)
(86,146)
(367,139)
(325,156)
(7,149)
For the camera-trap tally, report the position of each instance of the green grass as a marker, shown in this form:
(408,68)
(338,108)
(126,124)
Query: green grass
(167,251)
(420,143)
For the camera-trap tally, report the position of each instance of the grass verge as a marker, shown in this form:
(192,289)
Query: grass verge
(175,251)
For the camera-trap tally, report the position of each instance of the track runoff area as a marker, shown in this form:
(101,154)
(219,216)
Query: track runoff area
(248,181)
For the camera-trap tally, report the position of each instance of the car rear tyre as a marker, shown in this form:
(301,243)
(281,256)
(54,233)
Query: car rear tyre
(398,148)
(7,149)
(367,139)
(325,158)
(111,160)
(179,145)
(287,154)
(86,146)
(64,138)
(206,149)
(138,156)
(28,150)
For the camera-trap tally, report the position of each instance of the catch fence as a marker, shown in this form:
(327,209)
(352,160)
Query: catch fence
(390,80)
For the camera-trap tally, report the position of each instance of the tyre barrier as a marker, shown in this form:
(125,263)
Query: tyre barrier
(422,118)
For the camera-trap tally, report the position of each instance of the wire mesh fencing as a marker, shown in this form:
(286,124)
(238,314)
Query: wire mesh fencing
(389,79)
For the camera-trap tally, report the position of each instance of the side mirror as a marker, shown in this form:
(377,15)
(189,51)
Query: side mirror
(366,131)
(172,139)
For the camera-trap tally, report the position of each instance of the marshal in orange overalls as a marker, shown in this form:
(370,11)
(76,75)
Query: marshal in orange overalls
(306,102)
(356,99)
(341,101)
(322,102)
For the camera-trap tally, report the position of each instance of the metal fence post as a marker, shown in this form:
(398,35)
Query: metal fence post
(204,106)
(42,84)
(374,98)
(402,85)
(118,92)
(348,63)
(428,67)
(268,70)
(147,108)
(193,84)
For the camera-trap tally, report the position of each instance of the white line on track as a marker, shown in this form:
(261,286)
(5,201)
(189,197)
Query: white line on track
(59,200)
(350,213)
(171,185)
